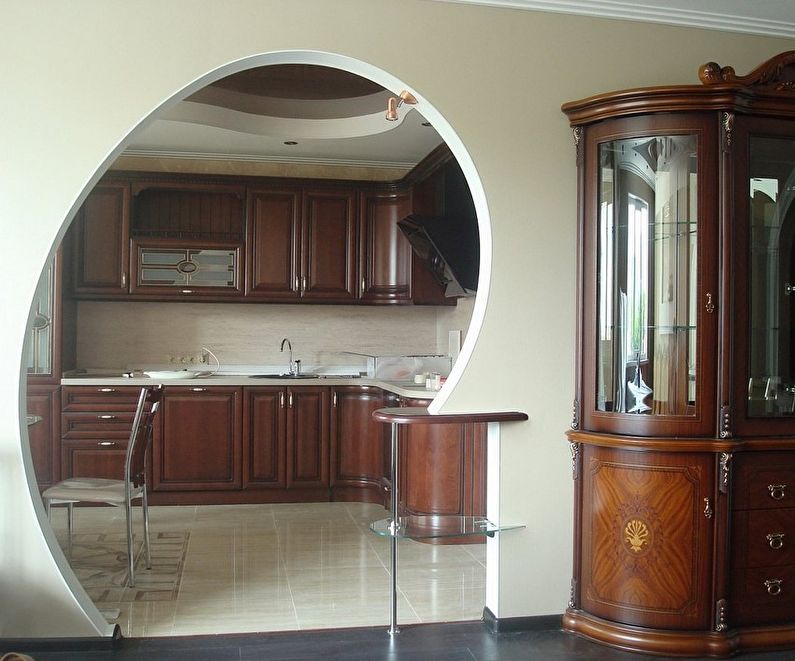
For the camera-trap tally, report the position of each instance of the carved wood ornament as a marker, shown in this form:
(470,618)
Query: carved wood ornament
(775,75)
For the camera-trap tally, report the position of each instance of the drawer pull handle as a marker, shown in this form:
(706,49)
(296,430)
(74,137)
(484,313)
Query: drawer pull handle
(776,540)
(199,389)
(773,586)
(106,444)
(106,389)
(777,491)
(106,417)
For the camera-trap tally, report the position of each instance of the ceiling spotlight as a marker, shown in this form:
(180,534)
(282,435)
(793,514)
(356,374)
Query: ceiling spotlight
(395,102)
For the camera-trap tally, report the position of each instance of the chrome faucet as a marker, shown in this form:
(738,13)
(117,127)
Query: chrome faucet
(293,366)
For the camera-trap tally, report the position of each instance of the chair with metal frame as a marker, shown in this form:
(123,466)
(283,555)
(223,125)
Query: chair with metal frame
(119,493)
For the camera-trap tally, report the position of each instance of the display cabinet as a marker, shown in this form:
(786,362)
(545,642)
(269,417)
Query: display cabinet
(683,435)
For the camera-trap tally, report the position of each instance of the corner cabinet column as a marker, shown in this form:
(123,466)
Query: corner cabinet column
(683,435)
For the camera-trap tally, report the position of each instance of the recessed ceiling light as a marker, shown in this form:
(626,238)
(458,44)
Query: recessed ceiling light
(290,142)
(426,123)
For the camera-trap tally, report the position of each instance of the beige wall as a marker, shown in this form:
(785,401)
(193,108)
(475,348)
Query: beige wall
(79,76)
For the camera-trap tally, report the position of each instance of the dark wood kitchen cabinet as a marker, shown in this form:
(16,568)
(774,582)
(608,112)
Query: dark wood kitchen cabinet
(197,446)
(100,240)
(273,244)
(683,435)
(286,434)
(308,437)
(265,438)
(44,436)
(359,444)
(385,254)
(444,468)
(95,428)
(302,244)
(329,265)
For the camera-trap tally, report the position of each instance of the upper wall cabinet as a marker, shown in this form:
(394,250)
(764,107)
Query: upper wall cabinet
(150,236)
(329,268)
(101,253)
(385,254)
(187,240)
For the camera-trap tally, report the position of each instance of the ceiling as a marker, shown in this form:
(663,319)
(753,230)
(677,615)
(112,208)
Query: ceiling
(310,114)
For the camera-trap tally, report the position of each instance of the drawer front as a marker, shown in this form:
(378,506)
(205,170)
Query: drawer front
(762,595)
(764,480)
(97,425)
(99,398)
(763,538)
(93,458)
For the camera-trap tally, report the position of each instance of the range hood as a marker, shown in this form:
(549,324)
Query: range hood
(449,243)
(452,259)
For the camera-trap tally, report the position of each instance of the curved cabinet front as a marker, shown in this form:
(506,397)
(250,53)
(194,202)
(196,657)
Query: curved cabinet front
(646,550)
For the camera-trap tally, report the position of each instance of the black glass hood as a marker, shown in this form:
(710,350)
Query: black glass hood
(449,243)
(452,259)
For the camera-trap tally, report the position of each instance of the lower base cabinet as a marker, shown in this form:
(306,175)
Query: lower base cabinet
(198,445)
(44,435)
(683,553)
(270,444)
(359,444)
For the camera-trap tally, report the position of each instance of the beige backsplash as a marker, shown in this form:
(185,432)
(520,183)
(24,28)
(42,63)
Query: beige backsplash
(124,334)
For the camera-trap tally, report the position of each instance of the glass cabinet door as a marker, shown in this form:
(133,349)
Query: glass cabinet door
(39,343)
(768,210)
(647,238)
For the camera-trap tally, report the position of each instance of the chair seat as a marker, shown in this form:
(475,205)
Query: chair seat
(95,489)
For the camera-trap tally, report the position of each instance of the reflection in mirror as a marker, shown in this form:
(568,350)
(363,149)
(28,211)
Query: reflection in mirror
(646,279)
(771,383)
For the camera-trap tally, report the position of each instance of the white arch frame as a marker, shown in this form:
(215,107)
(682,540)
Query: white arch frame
(73,591)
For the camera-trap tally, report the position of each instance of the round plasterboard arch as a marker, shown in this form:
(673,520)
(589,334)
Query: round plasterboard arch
(390,82)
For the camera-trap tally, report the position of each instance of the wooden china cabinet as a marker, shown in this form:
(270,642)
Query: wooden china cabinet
(683,437)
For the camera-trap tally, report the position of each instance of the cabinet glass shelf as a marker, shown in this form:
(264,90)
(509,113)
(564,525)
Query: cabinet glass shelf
(430,526)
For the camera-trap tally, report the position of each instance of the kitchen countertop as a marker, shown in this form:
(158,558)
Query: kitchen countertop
(402,388)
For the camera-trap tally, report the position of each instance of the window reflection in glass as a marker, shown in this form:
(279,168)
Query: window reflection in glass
(646,276)
(771,383)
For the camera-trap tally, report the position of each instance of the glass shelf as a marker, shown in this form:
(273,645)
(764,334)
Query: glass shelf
(429,526)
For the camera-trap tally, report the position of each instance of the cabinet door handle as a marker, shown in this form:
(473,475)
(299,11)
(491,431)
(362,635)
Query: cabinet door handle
(281,400)
(186,291)
(106,417)
(775,540)
(106,389)
(710,306)
(297,284)
(773,586)
(777,491)
(290,400)
(707,508)
(364,284)
(334,399)
(199,389)
(106,444)
(123,279)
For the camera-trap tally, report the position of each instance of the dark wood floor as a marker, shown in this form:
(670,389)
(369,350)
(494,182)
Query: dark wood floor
(468,641)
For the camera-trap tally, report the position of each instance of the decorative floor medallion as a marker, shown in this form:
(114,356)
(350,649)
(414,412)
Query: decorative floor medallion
(99,561)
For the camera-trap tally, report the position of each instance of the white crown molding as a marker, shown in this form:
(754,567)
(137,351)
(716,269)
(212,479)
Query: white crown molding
(265,158)
(746,17)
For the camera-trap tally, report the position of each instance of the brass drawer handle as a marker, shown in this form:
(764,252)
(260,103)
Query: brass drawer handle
(777,491)
(707,509)
(106,389)
(776,540)
(773,586)
(106,417)
(199,389)
(106,444)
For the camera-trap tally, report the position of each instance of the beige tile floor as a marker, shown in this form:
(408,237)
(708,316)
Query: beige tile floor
(251,568)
